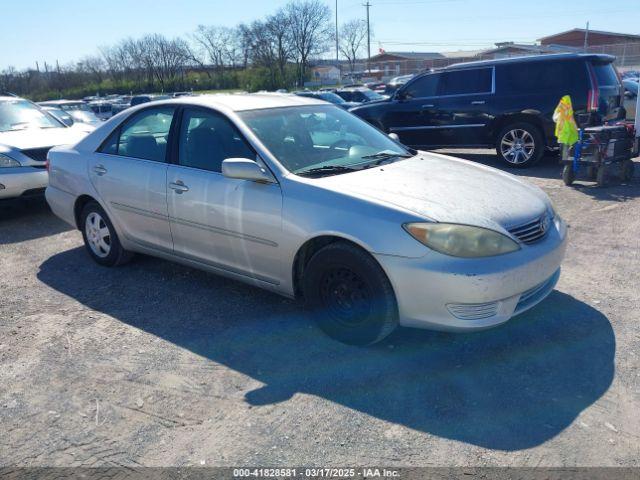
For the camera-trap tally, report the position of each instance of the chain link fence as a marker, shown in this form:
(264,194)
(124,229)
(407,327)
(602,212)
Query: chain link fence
(627,58)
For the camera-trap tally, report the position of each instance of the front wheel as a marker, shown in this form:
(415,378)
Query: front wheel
(349,295)
(520,144)
(100,238)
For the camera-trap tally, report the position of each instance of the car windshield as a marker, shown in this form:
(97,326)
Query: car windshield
(321,136)
(83,116)
(331,97)
(371,95)
(22,114)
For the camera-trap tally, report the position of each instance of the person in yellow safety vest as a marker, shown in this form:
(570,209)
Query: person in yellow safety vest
(566,128)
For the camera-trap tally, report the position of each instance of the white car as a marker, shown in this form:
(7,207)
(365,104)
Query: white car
(300,197)
(26,134)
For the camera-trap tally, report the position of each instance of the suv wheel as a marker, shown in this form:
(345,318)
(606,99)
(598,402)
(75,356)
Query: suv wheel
(100,238)
(349,295)
(520,144)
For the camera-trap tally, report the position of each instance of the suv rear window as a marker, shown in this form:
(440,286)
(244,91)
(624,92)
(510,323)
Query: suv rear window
(466,82)
(605,74)
(560,77)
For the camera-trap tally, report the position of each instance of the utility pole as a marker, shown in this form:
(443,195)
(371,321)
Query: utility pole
(368,5)
(337,50)
(586,37)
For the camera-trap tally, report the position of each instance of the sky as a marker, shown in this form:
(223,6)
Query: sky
(66,30)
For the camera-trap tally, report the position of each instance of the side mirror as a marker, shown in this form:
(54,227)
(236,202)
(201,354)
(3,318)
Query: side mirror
(394,137)
(245,169)
(400,95)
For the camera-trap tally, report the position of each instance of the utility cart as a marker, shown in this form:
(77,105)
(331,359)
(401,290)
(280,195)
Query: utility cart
(601,152)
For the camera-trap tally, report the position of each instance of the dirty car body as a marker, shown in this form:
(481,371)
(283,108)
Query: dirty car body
(461,246)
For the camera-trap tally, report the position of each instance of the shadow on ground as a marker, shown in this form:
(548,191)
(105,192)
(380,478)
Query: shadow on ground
(509,388)
(22,220)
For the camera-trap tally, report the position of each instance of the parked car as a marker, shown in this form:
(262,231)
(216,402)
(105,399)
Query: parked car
(27,132)
(507,104)
(631,86)
(378,87)
(359,94)
(140,99)
(396,83)
(328,97)
(61,115)
(103,109)
(79,111)
(304,199)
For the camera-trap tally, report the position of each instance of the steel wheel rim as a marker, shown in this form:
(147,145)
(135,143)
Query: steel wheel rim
(346,297)
(98,235)
(517,146)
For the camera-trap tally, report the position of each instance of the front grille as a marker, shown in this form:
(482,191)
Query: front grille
(37,154)
(473,311)
(532,231)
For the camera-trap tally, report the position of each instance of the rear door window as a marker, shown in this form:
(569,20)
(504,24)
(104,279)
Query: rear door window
(426,86)
(143,136)
(466,82)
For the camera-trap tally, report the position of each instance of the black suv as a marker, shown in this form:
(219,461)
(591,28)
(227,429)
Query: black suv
(507,104)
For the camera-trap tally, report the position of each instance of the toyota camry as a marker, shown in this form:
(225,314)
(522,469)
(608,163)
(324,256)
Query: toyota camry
(300,197)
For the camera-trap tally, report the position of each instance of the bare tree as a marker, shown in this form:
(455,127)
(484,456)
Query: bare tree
(309,23)
(352,39)
(216,44)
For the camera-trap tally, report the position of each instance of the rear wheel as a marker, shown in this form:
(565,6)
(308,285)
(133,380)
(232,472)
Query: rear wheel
(349,295)
(520,144)
(100,238)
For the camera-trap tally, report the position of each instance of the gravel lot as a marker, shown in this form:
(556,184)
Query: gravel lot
(157,364)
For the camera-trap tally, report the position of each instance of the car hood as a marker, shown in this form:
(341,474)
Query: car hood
(447,189)
(43,137)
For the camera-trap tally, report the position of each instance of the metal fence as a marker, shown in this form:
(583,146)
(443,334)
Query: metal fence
(627,58)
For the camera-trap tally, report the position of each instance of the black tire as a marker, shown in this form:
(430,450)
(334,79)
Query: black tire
(115,254)
(532,135)
(568,175)
(349,295)
(628,168)
(601,176)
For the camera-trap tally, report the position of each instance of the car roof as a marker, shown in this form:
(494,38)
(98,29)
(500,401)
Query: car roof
(530,58)
(246,101)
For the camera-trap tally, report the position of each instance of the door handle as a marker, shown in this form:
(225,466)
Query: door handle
(477,102)
(99,170)
(428,105)
(178,186)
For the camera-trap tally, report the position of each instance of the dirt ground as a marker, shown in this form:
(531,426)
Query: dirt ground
(156,364)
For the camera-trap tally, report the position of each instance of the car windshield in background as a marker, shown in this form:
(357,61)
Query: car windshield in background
(606,75)
(371,95)
(75,106)
(331,97)
(321,137)
(21,114)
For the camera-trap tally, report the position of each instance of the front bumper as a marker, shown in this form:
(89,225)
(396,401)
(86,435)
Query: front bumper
(18,181)
(447,293)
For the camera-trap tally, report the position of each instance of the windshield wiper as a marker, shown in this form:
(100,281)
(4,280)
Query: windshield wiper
(383,155)
(327,169)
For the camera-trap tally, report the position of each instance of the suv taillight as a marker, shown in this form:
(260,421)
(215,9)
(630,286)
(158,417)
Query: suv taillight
(593,95)
(46,164)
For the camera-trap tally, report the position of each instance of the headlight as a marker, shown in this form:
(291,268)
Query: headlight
(8,162)
(461,240)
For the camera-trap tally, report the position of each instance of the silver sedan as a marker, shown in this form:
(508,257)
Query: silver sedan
(302,198)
